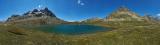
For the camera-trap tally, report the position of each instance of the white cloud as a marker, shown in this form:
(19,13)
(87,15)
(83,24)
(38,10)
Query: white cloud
(158,14)
(80,3)
(39,6)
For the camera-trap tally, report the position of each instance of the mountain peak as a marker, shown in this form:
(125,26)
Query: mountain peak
(47,12)
(45,8)
(123,14)
(123,8)
(35,13)
(40,12)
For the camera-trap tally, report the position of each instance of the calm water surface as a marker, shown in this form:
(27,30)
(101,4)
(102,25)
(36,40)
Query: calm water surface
(71,29)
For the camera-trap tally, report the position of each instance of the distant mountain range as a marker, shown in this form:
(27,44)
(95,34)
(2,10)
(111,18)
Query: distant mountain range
(124,14)
(45,16)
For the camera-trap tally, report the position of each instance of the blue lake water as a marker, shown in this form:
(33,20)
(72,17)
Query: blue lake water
(72,29)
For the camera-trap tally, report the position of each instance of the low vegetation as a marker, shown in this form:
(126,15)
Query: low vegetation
(122,34)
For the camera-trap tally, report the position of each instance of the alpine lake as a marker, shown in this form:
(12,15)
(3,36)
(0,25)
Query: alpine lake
(71,29)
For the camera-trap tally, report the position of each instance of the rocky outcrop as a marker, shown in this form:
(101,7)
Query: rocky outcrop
(124,14)
(43,16)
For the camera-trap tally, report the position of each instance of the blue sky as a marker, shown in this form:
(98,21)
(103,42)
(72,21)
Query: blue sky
(76,10)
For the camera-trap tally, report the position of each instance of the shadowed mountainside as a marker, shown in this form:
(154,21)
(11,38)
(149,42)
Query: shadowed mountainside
(43,16)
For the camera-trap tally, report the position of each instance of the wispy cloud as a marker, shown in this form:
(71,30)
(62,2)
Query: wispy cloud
(80,2)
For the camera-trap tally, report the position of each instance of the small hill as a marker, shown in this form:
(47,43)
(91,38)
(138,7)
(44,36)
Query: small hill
(93,20)
(43,16)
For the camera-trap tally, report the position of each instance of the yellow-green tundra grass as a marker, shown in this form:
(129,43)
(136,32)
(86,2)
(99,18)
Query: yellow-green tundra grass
(140,34)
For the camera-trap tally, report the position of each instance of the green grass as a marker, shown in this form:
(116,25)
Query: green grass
(122,34)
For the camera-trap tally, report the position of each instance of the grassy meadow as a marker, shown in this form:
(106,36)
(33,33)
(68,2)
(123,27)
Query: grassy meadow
(139,33)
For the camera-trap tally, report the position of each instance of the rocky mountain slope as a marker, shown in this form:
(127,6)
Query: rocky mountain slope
(43,16)
(124,14)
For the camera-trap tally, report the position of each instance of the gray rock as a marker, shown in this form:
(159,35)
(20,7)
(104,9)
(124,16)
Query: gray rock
(43,16)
